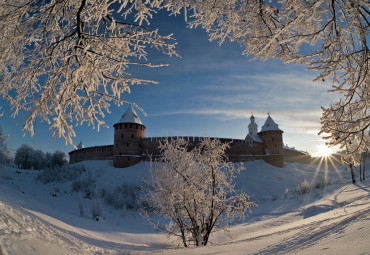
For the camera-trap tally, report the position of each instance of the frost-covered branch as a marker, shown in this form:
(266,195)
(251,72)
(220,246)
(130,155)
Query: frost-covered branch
(67,60)
(329,36)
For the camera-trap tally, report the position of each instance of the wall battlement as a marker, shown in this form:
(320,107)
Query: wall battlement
(239,151)
(91,153)
(131,146)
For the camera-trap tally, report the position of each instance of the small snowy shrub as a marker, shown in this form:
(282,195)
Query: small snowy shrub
(304,187)
(275,197)
(124,211)
(123,196)
(59,174)
(80,204)
(96,206)
(286,192)
(322,183)
(85,184)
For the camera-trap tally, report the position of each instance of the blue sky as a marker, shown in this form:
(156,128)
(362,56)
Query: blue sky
(211,90)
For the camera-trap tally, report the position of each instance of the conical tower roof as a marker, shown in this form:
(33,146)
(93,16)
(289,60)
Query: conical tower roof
(270,125)
(80,145)
(130,116)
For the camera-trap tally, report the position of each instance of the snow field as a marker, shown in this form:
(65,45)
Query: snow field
(37,217)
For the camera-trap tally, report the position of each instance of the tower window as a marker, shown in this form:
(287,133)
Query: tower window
(127,145)
(121,135)
(137,126)
(125,125)
(132,136)
(130,125)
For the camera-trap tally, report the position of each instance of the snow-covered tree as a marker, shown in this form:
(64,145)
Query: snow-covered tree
(37,159)
(329,36)
(194,190)
(58,158)
(4,153)
(66,60)
(23,156)
(27,157)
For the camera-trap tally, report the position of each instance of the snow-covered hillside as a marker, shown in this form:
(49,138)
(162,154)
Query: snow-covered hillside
(331,218)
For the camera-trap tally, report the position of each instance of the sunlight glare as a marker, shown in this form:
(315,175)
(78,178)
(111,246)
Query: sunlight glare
(324,151)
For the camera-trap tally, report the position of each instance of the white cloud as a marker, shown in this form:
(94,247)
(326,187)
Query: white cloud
(290,121)
(271,90)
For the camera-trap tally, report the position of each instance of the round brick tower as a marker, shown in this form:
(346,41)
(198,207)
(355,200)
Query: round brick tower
(272,138)
(128,135)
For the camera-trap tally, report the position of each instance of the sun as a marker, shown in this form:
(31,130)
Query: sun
(324,151)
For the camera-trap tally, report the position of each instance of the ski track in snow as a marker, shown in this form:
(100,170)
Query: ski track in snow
(338,223)
(326,220)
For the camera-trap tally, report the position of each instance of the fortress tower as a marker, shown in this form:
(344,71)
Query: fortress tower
(272,138)
(128,135)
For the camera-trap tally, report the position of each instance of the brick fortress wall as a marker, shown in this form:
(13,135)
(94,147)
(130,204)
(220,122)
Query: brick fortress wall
(131,146)
(239,151)
(124,155)
(91,153)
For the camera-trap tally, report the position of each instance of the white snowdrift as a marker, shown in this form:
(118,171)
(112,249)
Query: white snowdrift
(37,218)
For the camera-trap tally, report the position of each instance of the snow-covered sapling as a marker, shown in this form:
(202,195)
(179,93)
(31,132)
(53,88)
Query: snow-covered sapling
(194,191)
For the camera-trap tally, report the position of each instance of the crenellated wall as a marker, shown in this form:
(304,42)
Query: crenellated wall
(292,155)
(91,153)
(239,151)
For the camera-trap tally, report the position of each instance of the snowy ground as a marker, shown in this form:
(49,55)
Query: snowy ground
(38,218)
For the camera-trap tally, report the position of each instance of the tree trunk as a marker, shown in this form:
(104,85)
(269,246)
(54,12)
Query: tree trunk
(352,173)
(183,237)
(360,171)
(363,166)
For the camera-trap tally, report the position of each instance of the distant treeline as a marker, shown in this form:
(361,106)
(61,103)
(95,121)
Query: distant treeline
(27,157)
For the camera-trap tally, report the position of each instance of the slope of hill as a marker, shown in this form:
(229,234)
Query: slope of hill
(324,214)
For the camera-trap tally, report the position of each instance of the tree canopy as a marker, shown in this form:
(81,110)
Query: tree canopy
(67,60)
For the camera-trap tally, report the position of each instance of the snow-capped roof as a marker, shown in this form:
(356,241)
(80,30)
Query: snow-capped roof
(255,138)
(130,116)
(80,145)
(269,125)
